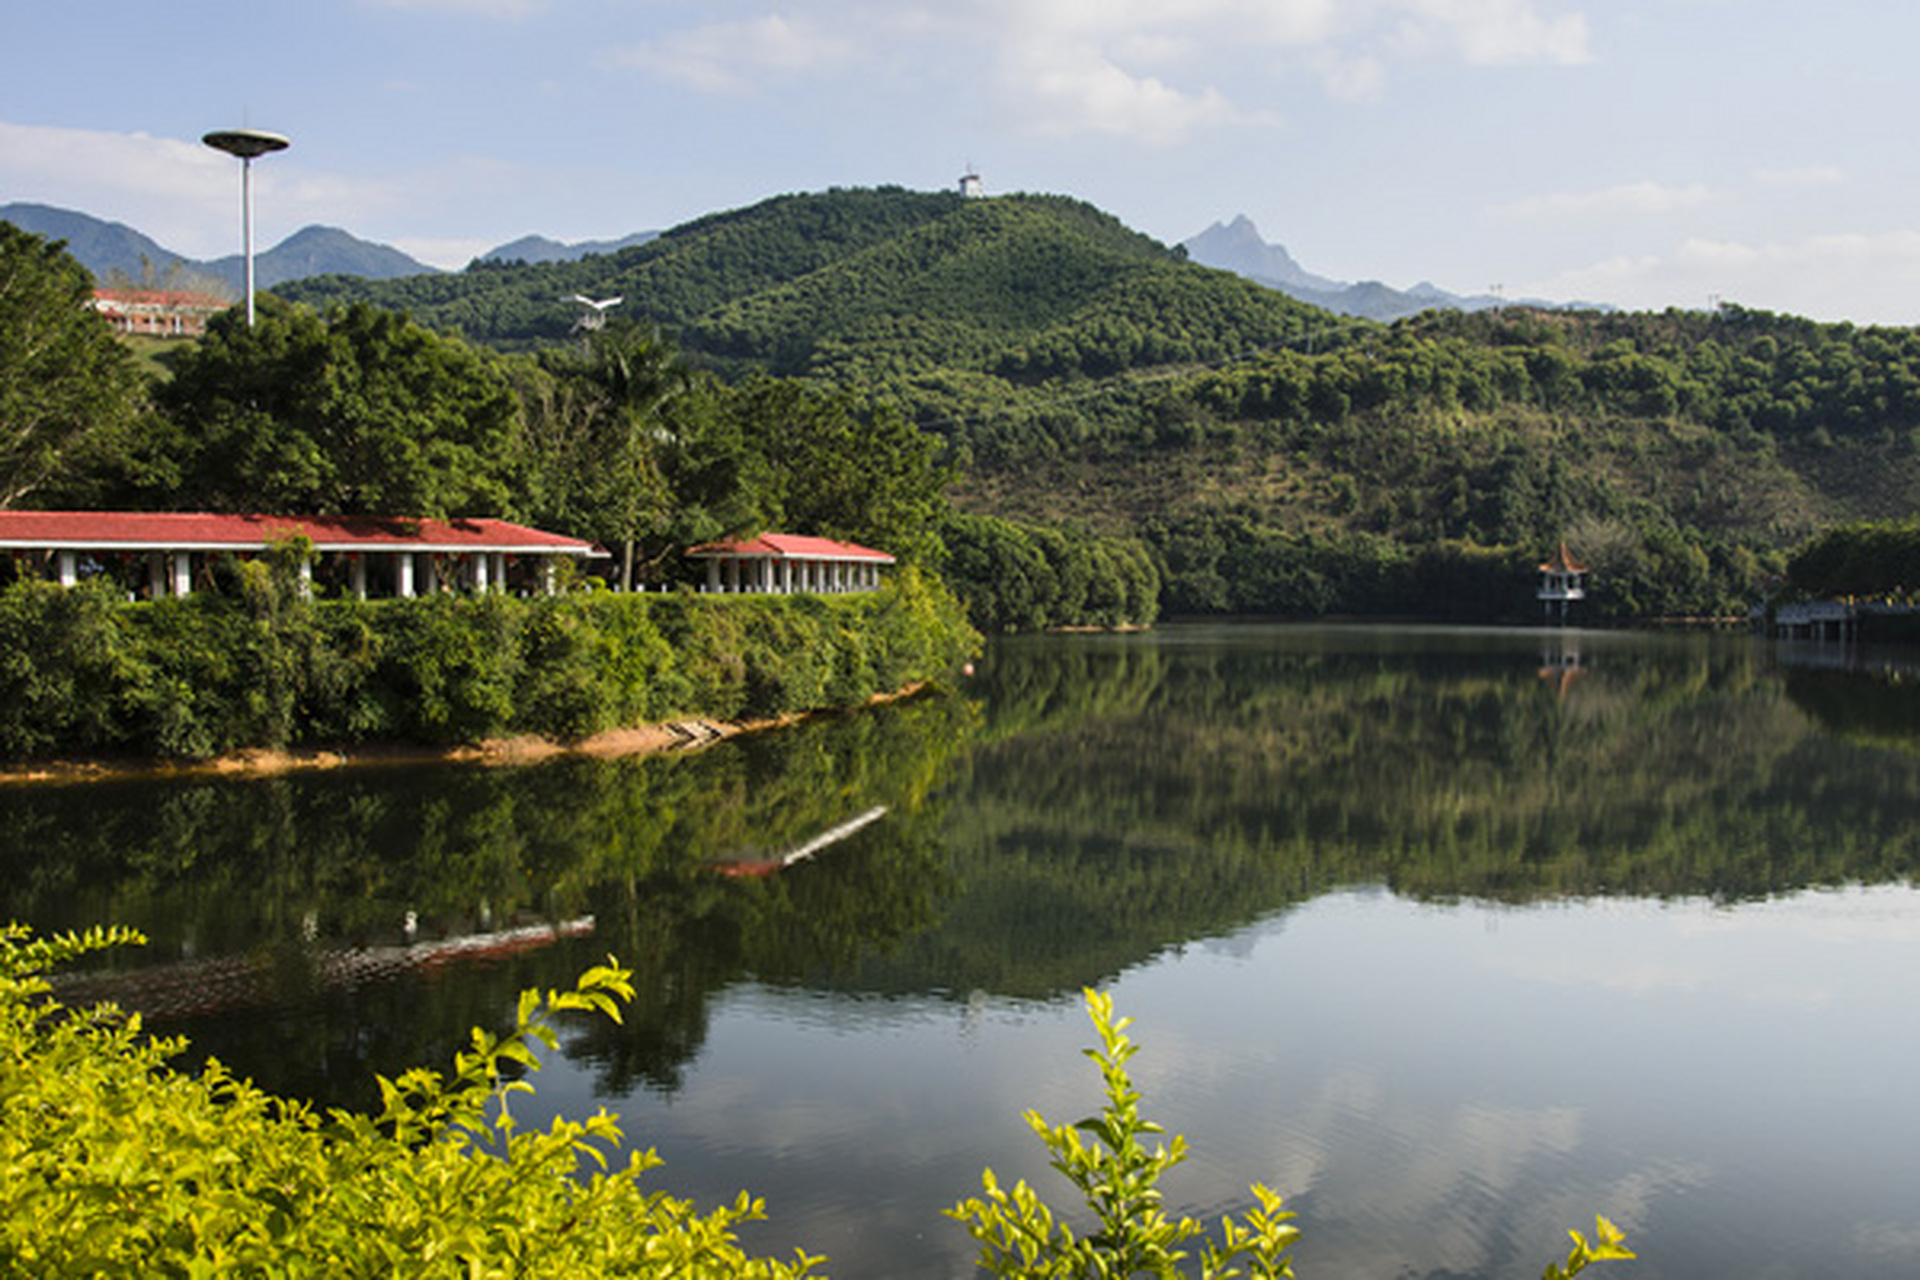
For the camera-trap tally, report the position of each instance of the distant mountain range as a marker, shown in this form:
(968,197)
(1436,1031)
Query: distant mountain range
(540,249)
(1237,247)
(116,253)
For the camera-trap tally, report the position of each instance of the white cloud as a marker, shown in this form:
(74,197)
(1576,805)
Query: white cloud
(1351,79)
(732,57)
(1155,71)
(1627,198)
(1868,279)
(1494,32)
(180,192)
(1077,91)
(186,195)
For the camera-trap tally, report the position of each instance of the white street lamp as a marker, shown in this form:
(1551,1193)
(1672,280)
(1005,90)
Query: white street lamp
(246,143)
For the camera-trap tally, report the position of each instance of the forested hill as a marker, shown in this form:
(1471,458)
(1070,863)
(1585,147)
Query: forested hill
(1270,456)
(850,283)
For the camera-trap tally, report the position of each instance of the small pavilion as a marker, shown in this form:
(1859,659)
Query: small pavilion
(789,564)
(155,554)
(1562,581)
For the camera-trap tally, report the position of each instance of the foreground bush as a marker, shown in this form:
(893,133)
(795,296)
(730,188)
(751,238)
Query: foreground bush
(112,1163)
(262,667)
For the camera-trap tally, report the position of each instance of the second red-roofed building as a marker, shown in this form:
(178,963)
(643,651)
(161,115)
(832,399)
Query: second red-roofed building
(790,564)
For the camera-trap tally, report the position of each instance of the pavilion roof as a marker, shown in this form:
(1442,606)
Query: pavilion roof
(1563,562)
(204,531)
(788,546)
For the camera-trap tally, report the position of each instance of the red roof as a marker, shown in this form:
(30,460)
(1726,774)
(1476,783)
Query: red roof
(177,299)
(200,531)
(789,546)
(1563,562)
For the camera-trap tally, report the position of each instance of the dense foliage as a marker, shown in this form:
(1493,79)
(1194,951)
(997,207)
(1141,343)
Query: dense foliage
(360,411)
(1276,459)
(264,667)
(1879,560)
(114,1162)
(64,380)
(1076,376)
(1016,577)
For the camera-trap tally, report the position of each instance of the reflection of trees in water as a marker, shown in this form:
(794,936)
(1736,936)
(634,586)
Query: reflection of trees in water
(1102,799)
(1873,708)
(284,876)
(689,941)
(1148,800)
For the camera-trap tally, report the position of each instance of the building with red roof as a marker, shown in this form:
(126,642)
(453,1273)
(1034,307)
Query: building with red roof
(1562,581)
(157,553)
(159,313)
(790,563)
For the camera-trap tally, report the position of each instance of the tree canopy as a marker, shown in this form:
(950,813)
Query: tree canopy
(64,378)
(359,411)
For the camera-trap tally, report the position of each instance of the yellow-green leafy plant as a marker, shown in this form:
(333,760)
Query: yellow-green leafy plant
(112,1163)
(1116,1168)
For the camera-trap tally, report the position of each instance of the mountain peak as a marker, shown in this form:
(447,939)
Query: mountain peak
(1237,246)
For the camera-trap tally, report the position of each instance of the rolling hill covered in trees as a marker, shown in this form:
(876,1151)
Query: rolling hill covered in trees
(1271,456)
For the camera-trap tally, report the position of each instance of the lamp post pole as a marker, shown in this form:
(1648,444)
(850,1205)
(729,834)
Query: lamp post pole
(246,143)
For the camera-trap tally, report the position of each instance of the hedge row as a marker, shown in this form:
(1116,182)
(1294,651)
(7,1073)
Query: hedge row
(262,667)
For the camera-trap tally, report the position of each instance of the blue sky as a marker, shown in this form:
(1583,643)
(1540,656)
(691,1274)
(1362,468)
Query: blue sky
(1647,153)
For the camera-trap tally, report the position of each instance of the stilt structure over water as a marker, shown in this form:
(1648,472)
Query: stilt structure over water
(1562,581)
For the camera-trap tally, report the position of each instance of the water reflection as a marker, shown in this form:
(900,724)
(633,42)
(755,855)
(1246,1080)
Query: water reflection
(1089,802)
(1456,936)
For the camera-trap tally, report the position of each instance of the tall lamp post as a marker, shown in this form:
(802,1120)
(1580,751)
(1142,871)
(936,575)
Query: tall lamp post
(246,143)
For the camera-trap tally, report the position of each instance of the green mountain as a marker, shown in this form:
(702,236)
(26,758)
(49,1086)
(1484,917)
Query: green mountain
(116,253)
(1272,456)
(839,284)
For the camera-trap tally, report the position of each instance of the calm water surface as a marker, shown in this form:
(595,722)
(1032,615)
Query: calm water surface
(1453,937)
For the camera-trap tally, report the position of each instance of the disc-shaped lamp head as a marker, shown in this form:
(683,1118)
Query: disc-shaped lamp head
(245,143)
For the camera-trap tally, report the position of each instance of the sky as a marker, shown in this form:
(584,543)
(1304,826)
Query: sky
(1640,153)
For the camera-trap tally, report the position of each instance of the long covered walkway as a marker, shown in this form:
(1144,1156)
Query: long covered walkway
(155,554)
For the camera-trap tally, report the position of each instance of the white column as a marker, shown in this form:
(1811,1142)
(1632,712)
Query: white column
(499,575)
(786,577)
(547,583)
(306,580)
(183,573)
(403,575)
(156,575)
(432,583)
(67,567)
(480,561)
(358,574)
(713,576)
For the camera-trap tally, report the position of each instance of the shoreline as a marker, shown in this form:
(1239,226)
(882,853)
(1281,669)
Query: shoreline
(690,734)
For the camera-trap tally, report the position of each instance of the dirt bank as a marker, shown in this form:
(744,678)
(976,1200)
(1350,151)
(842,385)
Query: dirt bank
(649,739)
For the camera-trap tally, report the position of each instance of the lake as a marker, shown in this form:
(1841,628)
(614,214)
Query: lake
(1453,937)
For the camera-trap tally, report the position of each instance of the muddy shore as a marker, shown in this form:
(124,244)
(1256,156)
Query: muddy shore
(649,739)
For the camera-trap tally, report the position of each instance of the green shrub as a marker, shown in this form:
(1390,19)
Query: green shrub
(263,666)
(1117,1176)
(114,1163)
(63,665)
